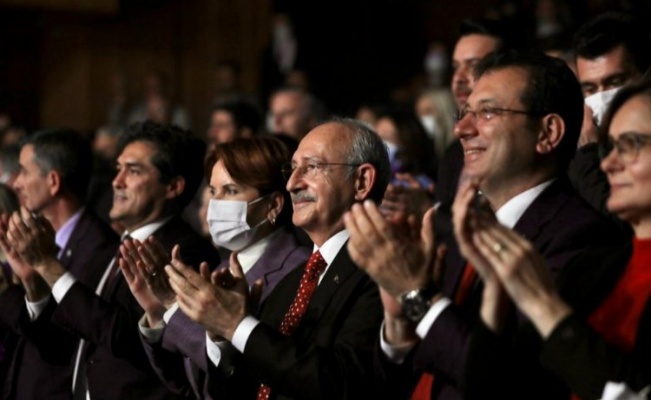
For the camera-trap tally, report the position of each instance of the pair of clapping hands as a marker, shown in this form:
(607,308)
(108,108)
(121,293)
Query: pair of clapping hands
(27,240)
(217,300)
(401,254)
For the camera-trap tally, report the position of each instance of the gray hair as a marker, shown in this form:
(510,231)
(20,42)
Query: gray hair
(367,147)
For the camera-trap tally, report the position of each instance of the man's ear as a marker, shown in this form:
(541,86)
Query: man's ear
(53,179)
(364,181)
(551,133)
(175,187)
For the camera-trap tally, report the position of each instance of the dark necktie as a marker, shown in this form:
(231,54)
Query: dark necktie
(309,281)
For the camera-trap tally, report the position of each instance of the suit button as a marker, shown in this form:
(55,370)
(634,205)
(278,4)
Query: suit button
(91,361)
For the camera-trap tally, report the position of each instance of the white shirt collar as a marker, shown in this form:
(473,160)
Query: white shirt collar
(250,255)
(145,231)
(509,214)
(332,246)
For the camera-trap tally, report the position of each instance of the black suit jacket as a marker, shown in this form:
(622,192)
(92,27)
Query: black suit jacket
(574,356)
(329,356)
(41,365)
(561,226)
(115,361)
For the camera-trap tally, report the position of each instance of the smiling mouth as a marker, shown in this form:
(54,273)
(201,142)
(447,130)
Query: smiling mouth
(470,152)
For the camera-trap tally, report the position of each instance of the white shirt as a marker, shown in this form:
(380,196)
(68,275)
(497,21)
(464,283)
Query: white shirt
(65,282)
(508,215)
(328,250)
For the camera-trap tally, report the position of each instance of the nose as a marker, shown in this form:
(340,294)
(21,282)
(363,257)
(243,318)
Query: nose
(611,163)
(465,127)
(295,181)
(18,183)
(461,75)
(118,181)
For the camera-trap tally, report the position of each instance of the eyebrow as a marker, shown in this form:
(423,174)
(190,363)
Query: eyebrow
(310,158)
(131,164)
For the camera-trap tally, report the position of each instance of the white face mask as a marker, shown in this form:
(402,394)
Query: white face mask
(599,103)
(431,125)
(227,223)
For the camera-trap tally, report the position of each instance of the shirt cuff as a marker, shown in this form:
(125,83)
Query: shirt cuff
(220,354)
(396,354)
(243,331)
(36,308)
(619,391)
(151,334)
(170,312)
(62,285)
(428,320)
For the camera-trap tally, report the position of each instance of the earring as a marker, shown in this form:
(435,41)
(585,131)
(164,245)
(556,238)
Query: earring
(273,221)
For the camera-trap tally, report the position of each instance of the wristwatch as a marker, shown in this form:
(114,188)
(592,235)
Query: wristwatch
(416,303)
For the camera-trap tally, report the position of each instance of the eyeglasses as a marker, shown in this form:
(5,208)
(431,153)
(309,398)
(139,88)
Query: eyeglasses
(311,169)
(627,145)
(486,113)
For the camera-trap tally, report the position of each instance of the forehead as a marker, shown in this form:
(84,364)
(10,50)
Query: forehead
(137,152)
(222,115)
(286,100)
(473,46)
(632,116)
(504,87)
(615,61)
(26,152)
(219,175)
(327,142)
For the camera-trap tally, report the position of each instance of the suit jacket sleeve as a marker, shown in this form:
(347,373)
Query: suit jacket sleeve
(113,326)
(40,332)
(335,363)
(169,366)
(586,362)
(186,337)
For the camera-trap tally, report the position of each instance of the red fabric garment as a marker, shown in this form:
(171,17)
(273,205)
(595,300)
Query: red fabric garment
(309,281)
(618,316)
(423,389)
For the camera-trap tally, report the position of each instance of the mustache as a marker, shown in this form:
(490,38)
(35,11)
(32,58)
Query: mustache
(302,196)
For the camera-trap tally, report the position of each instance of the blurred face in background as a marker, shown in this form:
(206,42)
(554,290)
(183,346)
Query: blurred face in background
(33,187)
(468,52)
(629,172)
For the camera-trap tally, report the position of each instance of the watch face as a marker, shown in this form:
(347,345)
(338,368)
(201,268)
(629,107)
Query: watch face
(414,307)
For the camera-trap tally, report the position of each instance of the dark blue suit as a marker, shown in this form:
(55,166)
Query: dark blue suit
(41,366)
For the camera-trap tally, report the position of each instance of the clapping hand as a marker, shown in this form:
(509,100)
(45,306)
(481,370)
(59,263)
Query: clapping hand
(218,301)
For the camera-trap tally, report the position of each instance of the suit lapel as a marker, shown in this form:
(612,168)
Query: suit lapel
(339,271)
(542,210)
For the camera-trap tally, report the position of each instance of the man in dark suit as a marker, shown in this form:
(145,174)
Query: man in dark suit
(313,336)
(158,171)
(55,169)
(519,131)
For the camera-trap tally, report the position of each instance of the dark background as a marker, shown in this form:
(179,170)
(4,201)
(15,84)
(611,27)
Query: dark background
(57,57)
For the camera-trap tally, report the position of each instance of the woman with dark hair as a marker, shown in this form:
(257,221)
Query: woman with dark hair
(250,214)
(595,321)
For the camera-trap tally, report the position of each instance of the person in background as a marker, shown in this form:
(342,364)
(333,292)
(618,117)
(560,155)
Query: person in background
(435,108)
(249,213)
(596,323)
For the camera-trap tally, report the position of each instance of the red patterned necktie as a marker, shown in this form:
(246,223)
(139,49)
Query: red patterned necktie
(309,281)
